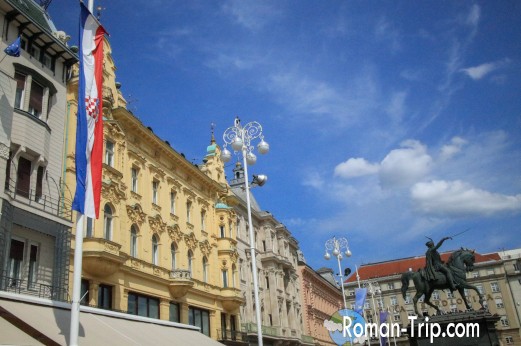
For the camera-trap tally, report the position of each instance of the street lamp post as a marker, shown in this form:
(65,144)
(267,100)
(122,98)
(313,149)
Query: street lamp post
(240,138)
(337,246)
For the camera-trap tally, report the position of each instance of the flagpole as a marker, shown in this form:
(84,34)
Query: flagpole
(363,308)
(76,286)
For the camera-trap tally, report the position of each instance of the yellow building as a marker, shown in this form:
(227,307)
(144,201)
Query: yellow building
(157,249)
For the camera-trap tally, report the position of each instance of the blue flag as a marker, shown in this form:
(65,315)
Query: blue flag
(360,294)
(14,48)
(383,320)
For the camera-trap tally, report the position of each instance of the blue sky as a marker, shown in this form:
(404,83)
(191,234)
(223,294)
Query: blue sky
(388,121)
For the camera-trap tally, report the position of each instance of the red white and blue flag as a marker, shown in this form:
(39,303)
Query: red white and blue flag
(89,131)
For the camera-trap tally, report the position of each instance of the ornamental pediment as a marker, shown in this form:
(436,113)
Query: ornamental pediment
(136,156)
(113,192)
(136,214)
(191,241)
(175,233)
(156,224)
(206,247)
(156,171)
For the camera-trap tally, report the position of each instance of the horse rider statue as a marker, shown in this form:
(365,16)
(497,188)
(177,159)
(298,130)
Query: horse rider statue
(433,263)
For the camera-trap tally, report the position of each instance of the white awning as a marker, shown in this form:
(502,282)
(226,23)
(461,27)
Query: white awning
(51,320)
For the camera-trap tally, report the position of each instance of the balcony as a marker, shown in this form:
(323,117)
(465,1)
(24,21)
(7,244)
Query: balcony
(226,246)
(180,282)
(270,256)
(101,257)
(231,298)
(251,328)
(55,205)
(20,286)
(232,337)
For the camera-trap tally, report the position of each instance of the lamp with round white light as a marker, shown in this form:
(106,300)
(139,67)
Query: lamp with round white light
(336,246)
(240,137)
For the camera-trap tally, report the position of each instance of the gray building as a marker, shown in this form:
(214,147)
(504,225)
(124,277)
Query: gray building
(278,278)
(34,201)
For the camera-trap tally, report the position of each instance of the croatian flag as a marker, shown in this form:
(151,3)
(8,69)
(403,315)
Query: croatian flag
(89,131)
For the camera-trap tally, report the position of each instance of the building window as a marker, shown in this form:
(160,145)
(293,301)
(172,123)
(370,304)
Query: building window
(133,241)
(436,295)
(267,282)
(20,90)
(504,321)
(396,317)
(199,318)
(188,210)
(33,267)
(480,289)
(155,250)
(394,300)
(234,275)
(23,177)
(142,305)
(105,297)
(499,303)
(172,202)
(36,99)
(16,257)
(225,277)
(190,259)
(90,227)
(490,271)
(450,294)
(390,285)
(475,274)
(174,312)
(222,231)
(509,340)
(203,219)
(39,183)
(109,153)
(495,287)
(408,299)
(173,253)
(205,269)
(108,222)
(84,292)
(155,191)
(134,179)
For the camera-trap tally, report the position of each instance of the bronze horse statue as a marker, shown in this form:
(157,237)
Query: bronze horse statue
(460,262)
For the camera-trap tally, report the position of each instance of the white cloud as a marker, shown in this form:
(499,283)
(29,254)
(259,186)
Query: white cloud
(250,13)
(480,71)
(457,198)
(449,150)
(396,107)
(474,15)
(404,167)
(355,167)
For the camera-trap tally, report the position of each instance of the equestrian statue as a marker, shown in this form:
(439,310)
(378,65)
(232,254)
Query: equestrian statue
(439,275)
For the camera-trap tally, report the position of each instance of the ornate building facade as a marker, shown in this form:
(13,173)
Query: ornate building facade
(276,260)
(320,300)
(156,249)
(35,218)
(490,276)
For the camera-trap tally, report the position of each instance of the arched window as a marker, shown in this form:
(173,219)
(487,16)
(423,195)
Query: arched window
(155,249)
(173,253)
(205,269)
(133,241)
(190,259)
(108,222)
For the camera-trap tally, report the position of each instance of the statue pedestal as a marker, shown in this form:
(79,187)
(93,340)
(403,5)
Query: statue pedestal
(482,324)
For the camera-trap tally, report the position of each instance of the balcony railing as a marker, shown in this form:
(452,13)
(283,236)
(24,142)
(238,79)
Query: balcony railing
(231,335)
(266,330)
(59,206)
(20,286)
(180,274)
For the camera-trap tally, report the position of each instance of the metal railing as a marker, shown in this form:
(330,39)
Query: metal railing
(266,330)
(231,335)
(20,286)
(59,206)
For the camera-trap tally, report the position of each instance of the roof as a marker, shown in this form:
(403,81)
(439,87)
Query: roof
(398,266)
